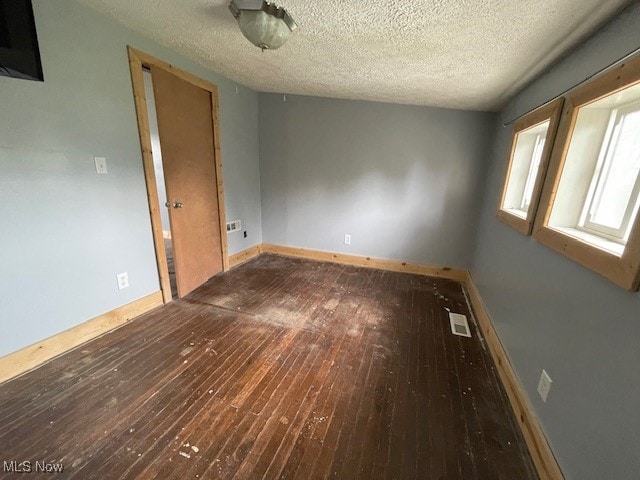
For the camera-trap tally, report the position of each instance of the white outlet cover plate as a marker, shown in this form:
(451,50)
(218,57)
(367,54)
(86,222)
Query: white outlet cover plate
(101,165)
(123,280)
(234,226)
(544,385)
(347,239)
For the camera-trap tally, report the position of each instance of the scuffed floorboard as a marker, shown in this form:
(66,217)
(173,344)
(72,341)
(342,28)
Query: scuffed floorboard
(280,368)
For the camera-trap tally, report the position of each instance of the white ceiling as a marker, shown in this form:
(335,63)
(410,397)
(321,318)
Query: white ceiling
(465,54)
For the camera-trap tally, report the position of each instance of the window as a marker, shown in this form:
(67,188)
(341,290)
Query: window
(590,200)
(538,146)
(528,165)
(612,200)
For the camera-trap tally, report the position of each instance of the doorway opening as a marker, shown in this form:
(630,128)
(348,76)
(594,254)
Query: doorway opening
(179,136)
(163,201)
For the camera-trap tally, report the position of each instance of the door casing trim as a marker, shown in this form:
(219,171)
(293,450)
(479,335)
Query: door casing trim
(137,61)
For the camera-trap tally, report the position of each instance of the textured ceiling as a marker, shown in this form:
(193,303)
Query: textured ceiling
(466,54)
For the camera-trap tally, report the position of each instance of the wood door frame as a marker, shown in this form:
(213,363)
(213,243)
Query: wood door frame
(137,61)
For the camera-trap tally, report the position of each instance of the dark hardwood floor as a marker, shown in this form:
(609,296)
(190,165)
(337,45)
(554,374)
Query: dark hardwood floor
(280,368)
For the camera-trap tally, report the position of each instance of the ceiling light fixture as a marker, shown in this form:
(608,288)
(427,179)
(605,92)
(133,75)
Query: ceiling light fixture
(264,24)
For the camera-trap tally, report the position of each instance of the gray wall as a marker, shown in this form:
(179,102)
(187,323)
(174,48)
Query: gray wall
(402,180)
(66,231)
(552,313)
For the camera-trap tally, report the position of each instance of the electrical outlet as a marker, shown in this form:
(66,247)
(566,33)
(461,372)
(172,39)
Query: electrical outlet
(544,385)
(123,280)
(347,239)
(234,226)
(101,165)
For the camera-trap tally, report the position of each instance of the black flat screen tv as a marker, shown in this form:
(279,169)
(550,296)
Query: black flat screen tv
(19,53)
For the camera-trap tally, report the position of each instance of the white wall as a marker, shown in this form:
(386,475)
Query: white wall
(402,180)
(552,313)
(66,231)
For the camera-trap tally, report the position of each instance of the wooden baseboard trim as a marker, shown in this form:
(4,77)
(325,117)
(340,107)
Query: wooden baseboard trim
(245,255)
(370,262)
(543,458)
(33,356)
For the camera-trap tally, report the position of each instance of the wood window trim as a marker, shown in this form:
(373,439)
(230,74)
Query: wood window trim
(138,60)
(550,112)
(623,270)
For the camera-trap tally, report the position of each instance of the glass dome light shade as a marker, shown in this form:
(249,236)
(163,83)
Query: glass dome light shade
(263,30)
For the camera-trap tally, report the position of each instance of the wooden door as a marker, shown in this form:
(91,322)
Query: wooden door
(185,125)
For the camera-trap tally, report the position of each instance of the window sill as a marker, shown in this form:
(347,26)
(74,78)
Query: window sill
(518,213)
(516,220)
(594,240)
(619,264)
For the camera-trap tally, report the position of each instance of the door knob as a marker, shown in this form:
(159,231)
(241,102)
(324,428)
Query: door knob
(177,204)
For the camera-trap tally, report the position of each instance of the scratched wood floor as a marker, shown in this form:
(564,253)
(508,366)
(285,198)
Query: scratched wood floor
(280,368)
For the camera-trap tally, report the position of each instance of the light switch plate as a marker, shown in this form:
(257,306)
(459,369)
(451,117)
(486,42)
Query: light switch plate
(347,239)
(101,165)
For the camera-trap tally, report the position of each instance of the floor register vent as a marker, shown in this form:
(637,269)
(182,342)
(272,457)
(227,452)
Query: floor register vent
(459,325)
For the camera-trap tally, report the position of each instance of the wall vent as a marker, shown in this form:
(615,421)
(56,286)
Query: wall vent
(459,325)
(234,226)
